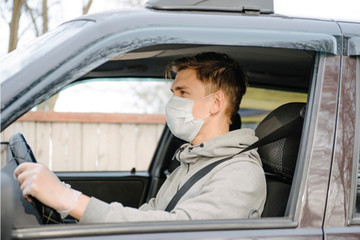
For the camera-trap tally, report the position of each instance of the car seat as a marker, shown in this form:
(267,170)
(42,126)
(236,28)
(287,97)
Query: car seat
(279,157)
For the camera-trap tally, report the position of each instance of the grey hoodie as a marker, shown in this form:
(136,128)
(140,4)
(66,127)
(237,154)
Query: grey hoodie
(234,189)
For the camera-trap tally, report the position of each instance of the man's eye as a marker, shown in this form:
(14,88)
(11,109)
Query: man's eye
(183,93)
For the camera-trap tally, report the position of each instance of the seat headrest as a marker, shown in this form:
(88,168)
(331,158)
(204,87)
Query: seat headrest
(279,157)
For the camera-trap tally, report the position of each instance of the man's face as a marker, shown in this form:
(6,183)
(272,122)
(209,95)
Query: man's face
(187,85)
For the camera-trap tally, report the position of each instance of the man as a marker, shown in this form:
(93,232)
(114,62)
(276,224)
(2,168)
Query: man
(207,92)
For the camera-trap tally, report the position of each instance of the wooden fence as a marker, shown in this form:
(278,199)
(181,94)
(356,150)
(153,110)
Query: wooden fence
(90,141)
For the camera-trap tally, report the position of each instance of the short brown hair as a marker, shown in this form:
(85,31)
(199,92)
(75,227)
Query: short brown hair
(221,71)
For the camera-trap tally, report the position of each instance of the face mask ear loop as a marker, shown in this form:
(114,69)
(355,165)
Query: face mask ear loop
(201,100)
(206,116)
(204,97)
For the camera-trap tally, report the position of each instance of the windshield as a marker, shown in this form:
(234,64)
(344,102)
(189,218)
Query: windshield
(20,58)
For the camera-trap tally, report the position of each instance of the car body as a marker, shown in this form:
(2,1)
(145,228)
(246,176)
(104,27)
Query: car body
(320,58)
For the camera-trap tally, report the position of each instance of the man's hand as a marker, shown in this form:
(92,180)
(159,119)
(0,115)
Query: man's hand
(36,180)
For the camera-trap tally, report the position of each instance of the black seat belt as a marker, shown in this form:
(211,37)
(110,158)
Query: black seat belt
(276,135)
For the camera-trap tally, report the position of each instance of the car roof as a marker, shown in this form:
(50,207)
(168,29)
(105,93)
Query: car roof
(245,20)
(253,6)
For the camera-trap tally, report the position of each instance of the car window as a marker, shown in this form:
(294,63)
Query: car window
(114,124)
(98,125)
(106,95)
(258,102)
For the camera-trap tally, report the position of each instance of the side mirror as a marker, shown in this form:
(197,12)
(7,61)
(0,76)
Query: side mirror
(7,205)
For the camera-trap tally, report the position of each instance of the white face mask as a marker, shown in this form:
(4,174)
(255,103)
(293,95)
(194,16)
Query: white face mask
(180,119)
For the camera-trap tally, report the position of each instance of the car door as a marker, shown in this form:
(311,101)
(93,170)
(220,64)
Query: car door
(154,34)
(342,209)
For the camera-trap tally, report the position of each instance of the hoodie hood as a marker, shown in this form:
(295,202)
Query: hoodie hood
(219,147)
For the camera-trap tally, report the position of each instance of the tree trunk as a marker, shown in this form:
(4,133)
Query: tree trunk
(14,24)
(49,104)
(86,7)
(45,16)
(30,11)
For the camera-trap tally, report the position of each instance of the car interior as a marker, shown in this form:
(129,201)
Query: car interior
(267,68)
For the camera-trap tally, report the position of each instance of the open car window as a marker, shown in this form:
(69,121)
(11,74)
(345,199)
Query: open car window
(276,77)
(98,125)
(114,124)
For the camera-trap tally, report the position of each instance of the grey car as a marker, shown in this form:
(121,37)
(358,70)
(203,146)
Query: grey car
(313,61)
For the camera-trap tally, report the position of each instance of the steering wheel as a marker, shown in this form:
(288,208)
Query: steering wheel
(26,213)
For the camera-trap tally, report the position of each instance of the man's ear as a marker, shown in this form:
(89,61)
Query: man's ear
(219,102)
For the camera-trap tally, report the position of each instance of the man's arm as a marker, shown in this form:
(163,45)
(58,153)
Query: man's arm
(229,192)
(36,180)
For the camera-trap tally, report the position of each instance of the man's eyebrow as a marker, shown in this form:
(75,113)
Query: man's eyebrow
(178,88)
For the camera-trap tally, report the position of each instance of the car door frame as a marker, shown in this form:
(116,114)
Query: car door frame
(341,220)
